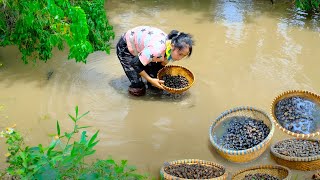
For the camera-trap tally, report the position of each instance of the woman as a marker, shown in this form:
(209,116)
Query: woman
(144,50)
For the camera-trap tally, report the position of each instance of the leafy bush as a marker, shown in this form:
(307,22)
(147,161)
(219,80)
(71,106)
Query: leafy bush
(38,26)
(62,159)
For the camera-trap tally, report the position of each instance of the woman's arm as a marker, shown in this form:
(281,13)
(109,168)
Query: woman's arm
(154,81)
(139,68)
(165,62)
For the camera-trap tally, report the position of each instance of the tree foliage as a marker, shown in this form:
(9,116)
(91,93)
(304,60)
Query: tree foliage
(38,26)
(308,5)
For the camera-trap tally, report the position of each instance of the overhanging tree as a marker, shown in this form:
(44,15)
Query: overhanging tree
(37,26)
(308,5)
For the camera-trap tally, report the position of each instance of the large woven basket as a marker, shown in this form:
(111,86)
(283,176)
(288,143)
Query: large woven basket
(273,170)
(167,176)
(299,93)
(298,163)
(247,155)
(175,70)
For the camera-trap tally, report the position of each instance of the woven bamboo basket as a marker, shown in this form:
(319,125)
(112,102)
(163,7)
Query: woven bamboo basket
(299,163)
(175,70)
(273,170)
(300,93)
(246,155)
(167,176)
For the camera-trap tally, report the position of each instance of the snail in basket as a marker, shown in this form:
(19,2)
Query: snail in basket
(260,176)
(244,133)
(194,171)
(298,148)
(176,82)
(298,114)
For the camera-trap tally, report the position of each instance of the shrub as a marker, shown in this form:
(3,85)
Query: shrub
(62,159)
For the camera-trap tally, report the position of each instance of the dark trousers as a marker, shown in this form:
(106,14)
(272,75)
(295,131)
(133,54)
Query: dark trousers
(125,57)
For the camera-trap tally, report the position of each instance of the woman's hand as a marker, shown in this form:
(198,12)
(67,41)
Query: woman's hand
(157,83)
(154,81)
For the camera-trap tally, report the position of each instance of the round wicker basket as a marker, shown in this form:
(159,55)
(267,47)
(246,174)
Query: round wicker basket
(300,93)
(299,163)
(167,176)
(273,170)
(175,70)
(246,155)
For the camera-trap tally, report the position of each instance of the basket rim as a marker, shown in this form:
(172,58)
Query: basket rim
(266,166)
(293,158)
(275,119)
(176,89)
(245,151)
(193,161)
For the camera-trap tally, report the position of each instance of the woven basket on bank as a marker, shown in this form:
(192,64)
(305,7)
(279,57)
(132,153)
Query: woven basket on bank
(294,93)
(167,176)
(247,154)
(298,163)
(175,70)
(280,172)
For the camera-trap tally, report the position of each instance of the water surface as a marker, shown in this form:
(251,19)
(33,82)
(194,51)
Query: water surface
(246,53)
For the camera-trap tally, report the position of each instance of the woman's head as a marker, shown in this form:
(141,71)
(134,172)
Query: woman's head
(181,44)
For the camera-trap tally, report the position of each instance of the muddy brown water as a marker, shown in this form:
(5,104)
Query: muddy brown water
(246,53)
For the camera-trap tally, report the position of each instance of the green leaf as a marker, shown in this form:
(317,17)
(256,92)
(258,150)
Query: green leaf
(93,138)
(57,158)
(51,146)
(68,135)
(58,128)
(93,144)
(119,169)
(23,157)
(124,162)
(41,149)
(82,127)
(83,115)
(73,119)
(77,110)
(110,161)
(90,152)
(32,167)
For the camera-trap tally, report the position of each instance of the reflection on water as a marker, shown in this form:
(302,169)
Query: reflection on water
(231,13)
(301,19)
(246,53)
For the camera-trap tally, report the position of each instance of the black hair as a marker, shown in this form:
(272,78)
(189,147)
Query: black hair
(181,39)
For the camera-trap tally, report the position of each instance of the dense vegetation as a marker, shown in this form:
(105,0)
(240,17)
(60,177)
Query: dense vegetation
(308,5)
(63,158)
(38,26)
